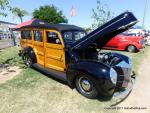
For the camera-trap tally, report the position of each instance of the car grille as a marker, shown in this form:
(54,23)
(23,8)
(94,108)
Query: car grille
(142,42)
(124,76)
(127,77)
(120,80)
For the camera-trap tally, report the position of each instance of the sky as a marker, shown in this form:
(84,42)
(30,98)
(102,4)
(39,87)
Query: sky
(83,8)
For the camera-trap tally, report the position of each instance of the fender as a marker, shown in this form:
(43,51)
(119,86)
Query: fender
(122,57)
(94,69)
(123,45)
(30,51)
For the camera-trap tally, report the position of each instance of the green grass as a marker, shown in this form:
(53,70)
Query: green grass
(10,56)
(33,92)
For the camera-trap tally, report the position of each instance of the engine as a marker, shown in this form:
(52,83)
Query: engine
(108,58)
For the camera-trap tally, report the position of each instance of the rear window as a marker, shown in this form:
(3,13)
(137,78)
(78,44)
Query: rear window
(26,35)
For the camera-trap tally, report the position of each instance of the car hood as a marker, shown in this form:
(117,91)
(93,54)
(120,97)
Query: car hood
(100,36)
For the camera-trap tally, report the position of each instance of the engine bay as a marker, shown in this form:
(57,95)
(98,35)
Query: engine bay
(108,58)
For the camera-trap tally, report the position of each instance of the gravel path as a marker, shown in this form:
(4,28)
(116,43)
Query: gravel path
(140,96)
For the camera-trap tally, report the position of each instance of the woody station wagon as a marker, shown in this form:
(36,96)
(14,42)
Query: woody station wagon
(68,53)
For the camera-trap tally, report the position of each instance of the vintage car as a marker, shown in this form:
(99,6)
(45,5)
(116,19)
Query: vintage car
(126,42)
(52,49)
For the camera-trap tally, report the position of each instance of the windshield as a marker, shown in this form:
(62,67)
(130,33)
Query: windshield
(71,36)
(128,34)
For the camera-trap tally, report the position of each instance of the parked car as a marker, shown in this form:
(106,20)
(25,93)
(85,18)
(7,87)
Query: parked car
(126,42)
(67,53)
(139,31)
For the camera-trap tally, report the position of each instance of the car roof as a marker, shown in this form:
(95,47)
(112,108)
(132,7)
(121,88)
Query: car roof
(36,23)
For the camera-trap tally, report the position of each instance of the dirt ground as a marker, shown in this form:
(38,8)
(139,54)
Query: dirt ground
(8,72)
(140,96)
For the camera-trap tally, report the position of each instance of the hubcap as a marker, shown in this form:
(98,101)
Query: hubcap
(85,85)
(28,60)
(131,48)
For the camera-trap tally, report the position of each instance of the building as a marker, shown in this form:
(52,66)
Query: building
(5,32)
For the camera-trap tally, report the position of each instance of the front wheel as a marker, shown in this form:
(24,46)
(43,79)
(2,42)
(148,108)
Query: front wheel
(86,86)
(131,48)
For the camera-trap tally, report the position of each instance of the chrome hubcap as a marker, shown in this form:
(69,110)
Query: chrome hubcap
(131,48)
(28,60)
(85,85)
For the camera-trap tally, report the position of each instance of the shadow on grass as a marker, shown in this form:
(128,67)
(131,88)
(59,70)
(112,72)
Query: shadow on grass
(13,61)
(8,60)
(51,77)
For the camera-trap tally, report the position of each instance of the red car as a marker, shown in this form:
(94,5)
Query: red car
(128,42)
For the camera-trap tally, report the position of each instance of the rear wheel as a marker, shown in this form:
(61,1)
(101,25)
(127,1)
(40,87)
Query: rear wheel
(131,48)
(28,61)
(86,86)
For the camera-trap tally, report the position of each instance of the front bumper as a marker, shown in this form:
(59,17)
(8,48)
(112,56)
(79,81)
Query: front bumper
(124,93)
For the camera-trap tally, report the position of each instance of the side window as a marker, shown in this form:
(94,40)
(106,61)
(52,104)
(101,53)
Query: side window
(38,35)
(26,34)
(68,36)
(53,38)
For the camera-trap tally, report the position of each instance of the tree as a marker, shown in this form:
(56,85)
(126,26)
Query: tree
(88,29)
(101,15)
(50,14)
(4,4)
(19,13)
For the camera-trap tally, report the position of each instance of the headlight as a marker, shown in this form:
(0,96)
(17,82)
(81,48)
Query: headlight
(113,76)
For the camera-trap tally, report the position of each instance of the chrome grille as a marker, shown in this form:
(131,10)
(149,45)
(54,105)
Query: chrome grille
(120,80)
(142,42)
(127,77)
(124,74)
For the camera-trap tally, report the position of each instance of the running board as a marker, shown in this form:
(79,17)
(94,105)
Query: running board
(54,73)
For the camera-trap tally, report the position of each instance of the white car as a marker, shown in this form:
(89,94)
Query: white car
(147,40)
(136,31)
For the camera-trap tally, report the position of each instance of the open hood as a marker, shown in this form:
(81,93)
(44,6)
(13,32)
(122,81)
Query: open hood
(106,32)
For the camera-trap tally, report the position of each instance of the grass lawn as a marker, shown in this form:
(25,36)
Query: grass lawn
(33,92)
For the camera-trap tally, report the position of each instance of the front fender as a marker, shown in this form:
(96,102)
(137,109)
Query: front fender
(94,69)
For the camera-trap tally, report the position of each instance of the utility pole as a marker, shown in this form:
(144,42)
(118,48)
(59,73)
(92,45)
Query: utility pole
(145,8)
